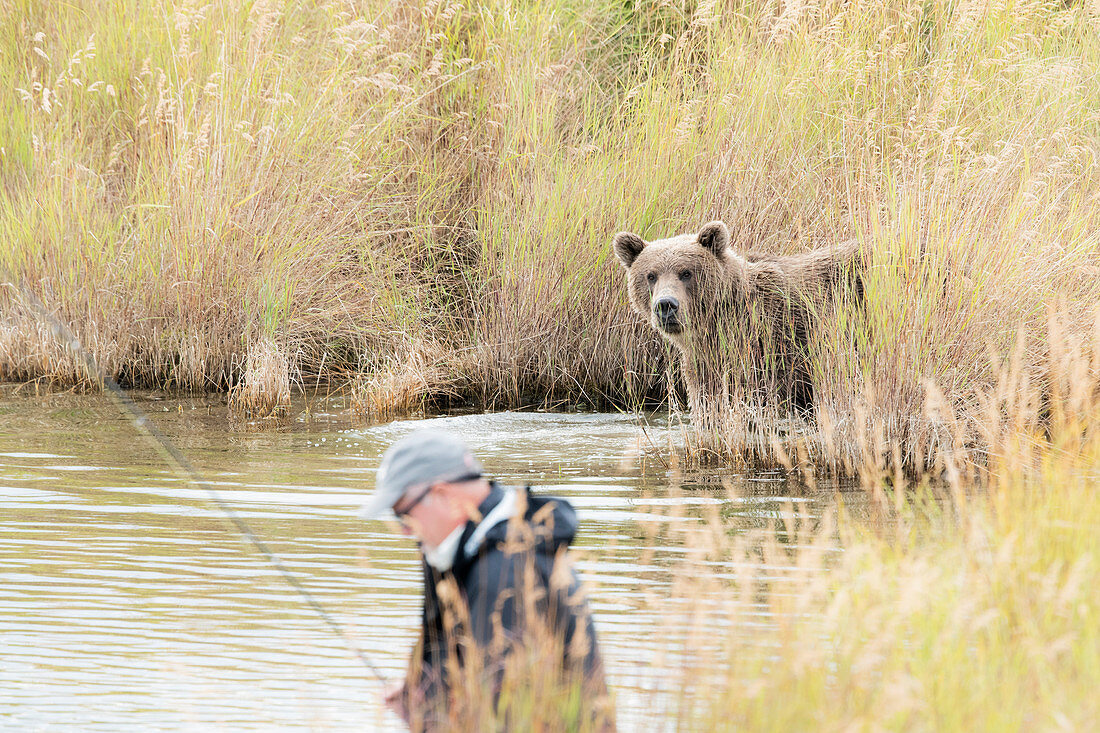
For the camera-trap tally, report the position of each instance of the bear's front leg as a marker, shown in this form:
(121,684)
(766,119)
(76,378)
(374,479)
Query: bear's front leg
(708,399)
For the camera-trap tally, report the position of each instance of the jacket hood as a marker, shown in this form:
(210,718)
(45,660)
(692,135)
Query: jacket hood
(553,520)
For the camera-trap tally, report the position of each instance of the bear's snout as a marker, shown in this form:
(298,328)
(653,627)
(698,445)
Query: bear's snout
(667,311)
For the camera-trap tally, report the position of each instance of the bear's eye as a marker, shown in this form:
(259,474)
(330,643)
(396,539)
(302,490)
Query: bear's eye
(651,278)
(685,275)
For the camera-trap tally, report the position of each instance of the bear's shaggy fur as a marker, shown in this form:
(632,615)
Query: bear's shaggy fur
(742,322)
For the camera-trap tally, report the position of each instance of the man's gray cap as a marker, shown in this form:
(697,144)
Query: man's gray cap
(414,463)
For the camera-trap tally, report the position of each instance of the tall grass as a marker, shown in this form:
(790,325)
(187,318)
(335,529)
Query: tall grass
(419,196)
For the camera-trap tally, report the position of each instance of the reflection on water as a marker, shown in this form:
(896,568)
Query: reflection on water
(127,600)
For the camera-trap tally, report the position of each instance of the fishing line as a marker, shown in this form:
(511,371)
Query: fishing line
(173,456)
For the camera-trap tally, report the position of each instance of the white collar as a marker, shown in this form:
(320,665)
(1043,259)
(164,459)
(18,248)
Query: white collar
(504,510)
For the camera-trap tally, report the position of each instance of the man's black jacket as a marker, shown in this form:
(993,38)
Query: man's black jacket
(497,562)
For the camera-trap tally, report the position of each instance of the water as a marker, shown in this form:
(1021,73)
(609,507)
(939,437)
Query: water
(127,601)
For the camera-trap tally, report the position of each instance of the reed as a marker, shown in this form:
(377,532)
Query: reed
(264,390)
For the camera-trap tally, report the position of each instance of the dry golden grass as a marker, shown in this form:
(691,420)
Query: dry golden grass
(264,390)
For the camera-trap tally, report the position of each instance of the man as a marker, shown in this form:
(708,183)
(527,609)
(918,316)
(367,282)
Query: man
(503,610)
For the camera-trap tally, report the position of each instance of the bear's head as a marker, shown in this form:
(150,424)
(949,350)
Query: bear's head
(672,281)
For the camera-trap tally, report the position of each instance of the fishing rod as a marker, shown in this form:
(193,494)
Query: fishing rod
(174,457)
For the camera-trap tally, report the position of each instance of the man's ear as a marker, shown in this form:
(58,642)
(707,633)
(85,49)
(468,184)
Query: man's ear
(627,246)
(715,237)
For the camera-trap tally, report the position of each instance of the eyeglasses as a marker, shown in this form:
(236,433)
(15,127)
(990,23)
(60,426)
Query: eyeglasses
(403,512)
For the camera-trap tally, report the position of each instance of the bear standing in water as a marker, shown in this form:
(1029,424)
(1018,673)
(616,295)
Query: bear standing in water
(742,322)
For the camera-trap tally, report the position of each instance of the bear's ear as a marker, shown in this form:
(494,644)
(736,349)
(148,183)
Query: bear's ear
(714,236)
(627,247)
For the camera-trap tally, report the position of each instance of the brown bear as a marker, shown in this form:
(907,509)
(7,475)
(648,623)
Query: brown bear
(742,322)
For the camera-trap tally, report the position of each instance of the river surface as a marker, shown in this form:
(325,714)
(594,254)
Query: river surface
(129,602)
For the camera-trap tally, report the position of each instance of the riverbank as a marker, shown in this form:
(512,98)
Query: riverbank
(416,200)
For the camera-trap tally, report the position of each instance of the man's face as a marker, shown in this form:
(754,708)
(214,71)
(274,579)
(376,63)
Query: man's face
(429,514)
